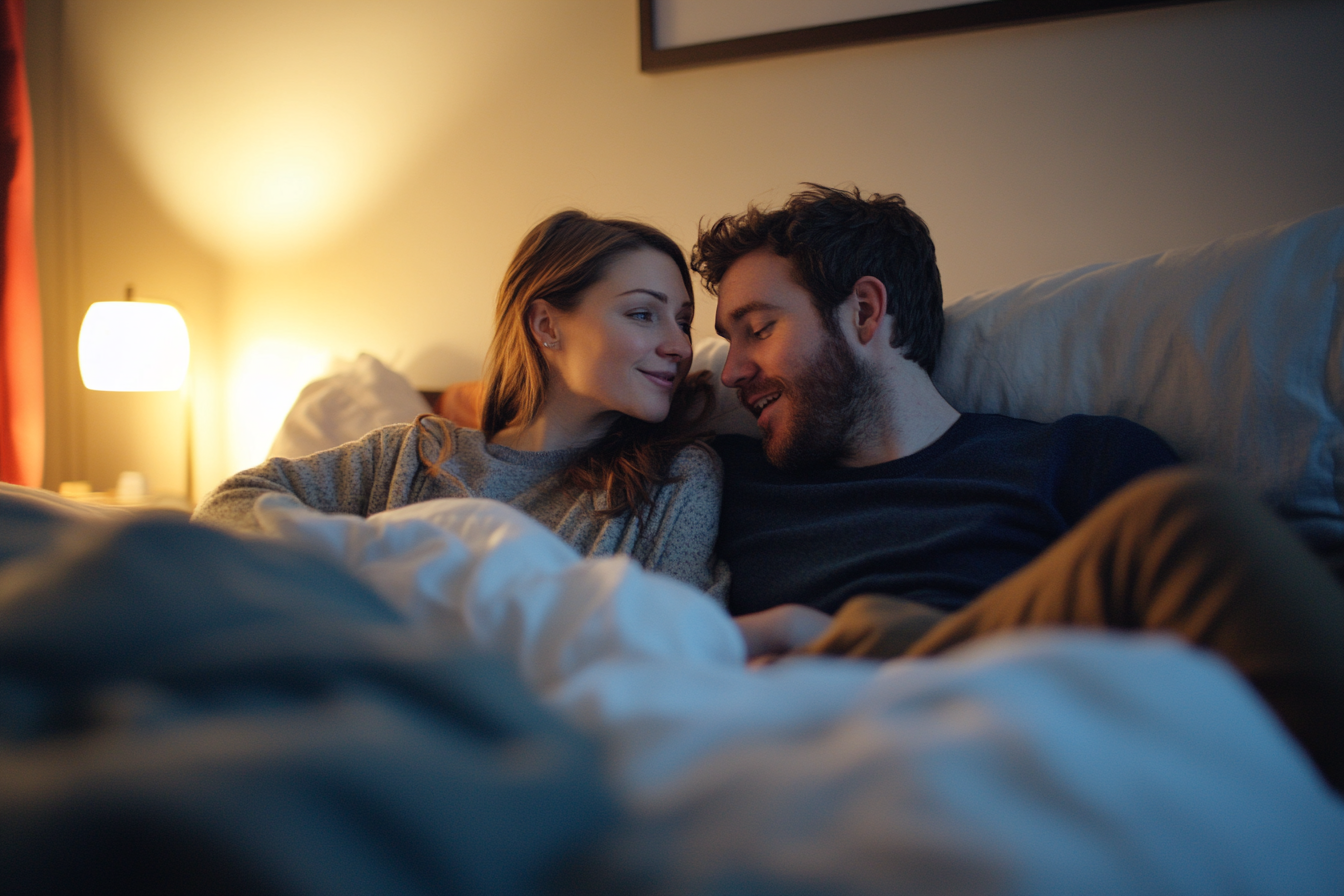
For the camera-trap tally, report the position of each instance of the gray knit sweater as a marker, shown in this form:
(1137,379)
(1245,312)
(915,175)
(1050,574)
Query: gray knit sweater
(383,471)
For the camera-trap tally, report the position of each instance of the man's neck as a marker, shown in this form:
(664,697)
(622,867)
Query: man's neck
(915,416)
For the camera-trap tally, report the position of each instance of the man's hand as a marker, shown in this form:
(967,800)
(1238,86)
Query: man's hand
(774,632)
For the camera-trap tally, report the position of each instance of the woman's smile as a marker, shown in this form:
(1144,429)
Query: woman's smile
(663,379)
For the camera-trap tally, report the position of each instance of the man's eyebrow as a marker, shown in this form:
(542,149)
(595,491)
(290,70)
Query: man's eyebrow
(742,311)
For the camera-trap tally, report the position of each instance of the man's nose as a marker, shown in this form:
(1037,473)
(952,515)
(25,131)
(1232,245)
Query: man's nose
(737,369)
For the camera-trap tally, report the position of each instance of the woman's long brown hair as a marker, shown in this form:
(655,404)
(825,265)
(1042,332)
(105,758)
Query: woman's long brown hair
(557,261)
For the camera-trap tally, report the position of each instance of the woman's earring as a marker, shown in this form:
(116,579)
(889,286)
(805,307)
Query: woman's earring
(550,344)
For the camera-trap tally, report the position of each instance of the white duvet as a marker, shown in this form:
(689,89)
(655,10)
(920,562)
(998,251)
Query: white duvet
(1046,763)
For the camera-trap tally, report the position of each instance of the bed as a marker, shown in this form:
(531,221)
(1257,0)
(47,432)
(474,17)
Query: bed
(447,698)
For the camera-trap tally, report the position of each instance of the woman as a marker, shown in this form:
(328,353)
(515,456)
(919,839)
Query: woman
(589,424)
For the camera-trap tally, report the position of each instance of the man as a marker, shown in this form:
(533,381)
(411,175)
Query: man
(871,498)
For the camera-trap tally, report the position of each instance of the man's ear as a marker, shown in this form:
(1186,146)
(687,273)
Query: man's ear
(869,309)
(542,321)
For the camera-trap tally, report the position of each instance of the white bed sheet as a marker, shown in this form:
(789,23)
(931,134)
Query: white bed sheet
(1044,763)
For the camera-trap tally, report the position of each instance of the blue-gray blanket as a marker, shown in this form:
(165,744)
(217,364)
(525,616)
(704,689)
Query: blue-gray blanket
(186,711)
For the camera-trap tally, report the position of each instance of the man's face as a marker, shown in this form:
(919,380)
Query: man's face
(809,393)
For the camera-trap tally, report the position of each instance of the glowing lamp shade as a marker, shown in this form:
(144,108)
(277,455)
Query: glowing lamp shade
(133,347)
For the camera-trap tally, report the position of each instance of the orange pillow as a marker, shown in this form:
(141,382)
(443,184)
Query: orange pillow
(461,404)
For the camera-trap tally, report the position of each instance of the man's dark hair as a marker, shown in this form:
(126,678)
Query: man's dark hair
(832,238)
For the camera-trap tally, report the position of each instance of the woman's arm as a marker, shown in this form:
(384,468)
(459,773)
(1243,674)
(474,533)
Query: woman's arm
(360,477)
(682,525)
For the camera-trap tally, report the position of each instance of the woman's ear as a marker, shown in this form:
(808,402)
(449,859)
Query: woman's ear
(543,322)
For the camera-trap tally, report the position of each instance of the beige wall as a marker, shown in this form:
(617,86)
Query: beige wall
(311,178)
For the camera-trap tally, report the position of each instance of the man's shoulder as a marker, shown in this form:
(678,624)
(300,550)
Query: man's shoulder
(1094,456)
(1072,427)
(1091,446)
(1084,456)
(1108,429)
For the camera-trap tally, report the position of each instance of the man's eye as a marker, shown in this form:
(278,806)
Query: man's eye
(762,331)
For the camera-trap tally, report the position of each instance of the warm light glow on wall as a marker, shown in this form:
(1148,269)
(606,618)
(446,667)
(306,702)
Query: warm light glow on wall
(133,347)
(266,126)
(264,381)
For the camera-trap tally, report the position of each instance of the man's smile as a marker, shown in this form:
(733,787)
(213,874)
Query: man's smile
(759,403)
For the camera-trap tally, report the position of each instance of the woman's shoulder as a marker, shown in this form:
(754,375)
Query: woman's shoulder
(694,459)
(429,427)
(391,438)
(685,514)
(392,432)
(695,471)
(428,438)
(392,435)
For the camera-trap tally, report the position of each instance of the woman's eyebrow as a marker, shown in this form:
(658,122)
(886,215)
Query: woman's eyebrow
(653,292)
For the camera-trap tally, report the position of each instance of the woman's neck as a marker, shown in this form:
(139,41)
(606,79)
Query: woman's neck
(556,428)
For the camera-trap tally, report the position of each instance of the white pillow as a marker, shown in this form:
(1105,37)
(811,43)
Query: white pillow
(358,396)
(1233,352)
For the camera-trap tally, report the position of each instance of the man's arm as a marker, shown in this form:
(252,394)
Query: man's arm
(779,630)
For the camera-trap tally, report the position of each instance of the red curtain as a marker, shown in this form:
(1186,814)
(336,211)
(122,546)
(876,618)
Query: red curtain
(22,421)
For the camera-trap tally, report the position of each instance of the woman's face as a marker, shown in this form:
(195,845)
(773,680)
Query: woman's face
(627,345)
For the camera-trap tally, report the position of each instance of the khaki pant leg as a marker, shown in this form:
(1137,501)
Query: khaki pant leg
(1195,555)
(875,626)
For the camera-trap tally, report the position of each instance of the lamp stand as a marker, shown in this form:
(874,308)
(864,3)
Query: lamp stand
(186,404)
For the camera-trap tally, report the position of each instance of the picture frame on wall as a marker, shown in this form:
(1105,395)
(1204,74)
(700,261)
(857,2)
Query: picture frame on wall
(676,34)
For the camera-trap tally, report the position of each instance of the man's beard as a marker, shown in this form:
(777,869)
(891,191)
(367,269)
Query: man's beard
(831,403)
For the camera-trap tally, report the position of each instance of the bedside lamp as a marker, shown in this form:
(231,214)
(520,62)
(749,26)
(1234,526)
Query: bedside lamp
(136,346)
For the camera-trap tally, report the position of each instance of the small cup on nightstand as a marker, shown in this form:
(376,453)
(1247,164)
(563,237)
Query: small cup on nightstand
(131,487)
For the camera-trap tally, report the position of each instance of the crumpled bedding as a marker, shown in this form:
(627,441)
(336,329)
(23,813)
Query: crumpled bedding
(352,706)
(184,711)
(1058,762)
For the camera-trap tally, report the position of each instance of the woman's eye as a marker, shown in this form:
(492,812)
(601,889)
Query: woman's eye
(642,315)
(685,326)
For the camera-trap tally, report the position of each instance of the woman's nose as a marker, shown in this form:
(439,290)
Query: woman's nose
(676,345)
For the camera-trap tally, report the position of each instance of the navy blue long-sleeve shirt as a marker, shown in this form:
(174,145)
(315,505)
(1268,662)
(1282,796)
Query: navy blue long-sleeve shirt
(939,526)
